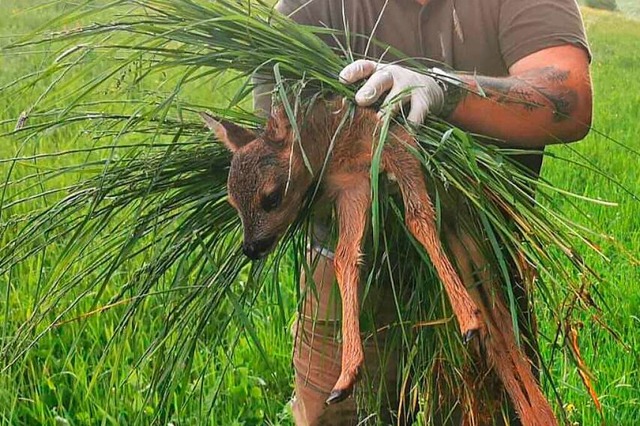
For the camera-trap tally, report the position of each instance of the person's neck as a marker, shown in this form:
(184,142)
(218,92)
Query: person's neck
(423,2)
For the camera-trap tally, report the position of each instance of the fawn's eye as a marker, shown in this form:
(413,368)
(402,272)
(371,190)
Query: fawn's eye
(271,201)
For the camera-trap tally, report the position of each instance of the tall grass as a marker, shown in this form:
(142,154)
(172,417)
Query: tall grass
(126,220)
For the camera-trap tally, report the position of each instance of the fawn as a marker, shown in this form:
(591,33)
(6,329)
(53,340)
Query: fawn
(268,185)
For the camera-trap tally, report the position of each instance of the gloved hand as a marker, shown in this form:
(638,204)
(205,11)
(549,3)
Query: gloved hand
(426,95)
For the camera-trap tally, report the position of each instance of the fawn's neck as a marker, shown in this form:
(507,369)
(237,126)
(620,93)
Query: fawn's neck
(327,135)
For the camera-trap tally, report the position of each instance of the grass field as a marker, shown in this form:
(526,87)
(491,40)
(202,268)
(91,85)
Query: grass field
(631,7)
(74,377)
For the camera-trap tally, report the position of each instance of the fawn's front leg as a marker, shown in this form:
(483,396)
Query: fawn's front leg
(352,205)
(420,218)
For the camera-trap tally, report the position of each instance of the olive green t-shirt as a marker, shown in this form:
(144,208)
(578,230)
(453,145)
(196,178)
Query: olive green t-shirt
(480,36)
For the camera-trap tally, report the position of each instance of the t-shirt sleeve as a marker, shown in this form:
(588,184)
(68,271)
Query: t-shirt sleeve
(527,26)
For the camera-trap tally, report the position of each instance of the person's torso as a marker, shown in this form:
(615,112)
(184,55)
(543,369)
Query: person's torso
(463,35)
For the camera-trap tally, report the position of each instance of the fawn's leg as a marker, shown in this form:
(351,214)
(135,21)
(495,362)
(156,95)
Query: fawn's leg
(352,205)
(507,359)
(420,217)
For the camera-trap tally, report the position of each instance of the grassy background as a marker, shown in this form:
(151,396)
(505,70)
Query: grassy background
(72,377)
(630,7)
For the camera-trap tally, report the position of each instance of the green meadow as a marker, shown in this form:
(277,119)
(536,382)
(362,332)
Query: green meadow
(85,372)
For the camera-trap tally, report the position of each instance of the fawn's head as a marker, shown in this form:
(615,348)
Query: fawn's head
(266,185)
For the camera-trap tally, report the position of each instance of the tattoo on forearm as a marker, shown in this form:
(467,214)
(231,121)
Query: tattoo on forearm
(536,89)
(454,96)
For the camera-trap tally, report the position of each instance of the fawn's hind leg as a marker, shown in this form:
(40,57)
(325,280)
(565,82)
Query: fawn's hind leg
(352,205)
(507,359)
(420,218)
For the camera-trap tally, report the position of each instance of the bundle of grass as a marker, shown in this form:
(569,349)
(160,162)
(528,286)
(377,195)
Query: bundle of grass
(150,199)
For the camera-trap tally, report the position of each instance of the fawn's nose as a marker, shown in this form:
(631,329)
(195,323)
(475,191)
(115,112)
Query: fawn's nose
(255,250)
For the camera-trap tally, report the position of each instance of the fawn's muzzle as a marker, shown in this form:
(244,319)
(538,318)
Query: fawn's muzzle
(255,250)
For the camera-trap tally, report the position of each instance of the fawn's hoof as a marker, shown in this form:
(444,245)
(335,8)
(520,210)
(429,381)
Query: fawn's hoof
(470,335)
(352,362)
(344,386)
(471,325)
(337,395)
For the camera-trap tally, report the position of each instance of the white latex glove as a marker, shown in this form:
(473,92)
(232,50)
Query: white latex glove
(405,86)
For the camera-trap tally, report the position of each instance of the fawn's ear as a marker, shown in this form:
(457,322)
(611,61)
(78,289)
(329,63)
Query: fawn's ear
(233,136)
(278,125)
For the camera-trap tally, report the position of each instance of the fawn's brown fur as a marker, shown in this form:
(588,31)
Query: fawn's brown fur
(268,183)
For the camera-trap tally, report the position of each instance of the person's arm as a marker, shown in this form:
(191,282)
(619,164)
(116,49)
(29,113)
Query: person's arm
(546,99)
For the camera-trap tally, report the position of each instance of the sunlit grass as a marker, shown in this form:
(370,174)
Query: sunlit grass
(617,101)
